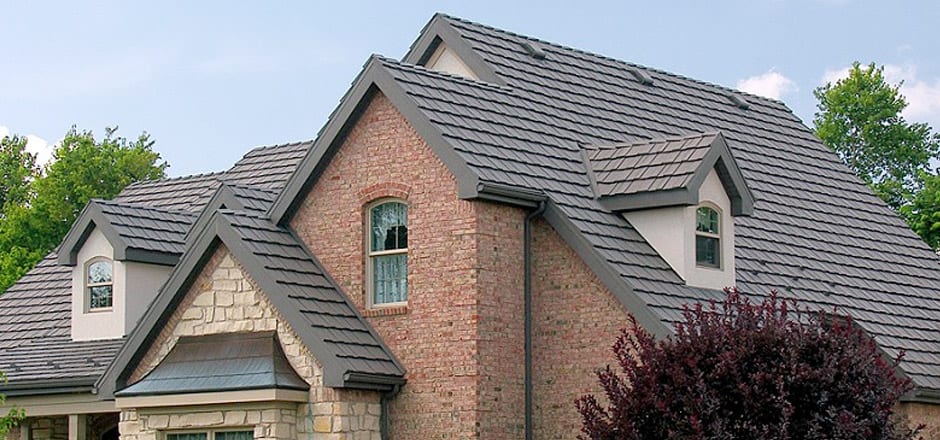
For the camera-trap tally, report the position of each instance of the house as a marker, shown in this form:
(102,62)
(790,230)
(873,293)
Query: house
(452,256)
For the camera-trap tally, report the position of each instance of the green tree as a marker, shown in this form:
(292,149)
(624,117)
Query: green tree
(13,417)
(859,117)
(923,211)
(17,169)
(83,168)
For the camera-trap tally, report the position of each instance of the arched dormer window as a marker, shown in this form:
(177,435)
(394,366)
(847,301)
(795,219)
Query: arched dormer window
(99,284)
(387,271)
(708,237)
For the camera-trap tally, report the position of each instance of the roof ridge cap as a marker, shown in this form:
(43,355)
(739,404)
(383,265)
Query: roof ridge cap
(725,89)
(177,178)
(616,145)
(143,207)
(272,146)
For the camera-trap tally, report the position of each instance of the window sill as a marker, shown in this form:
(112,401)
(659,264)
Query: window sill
(386,311)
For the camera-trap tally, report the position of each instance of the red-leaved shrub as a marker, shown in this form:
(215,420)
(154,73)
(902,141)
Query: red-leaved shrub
(737,370)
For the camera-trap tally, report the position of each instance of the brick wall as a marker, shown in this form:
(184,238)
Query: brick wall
(460,336)
(575,322)
(920,413)
(224,299)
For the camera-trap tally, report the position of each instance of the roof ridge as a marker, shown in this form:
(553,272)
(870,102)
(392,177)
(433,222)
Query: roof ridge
(143,207)
(617,145)
(446,75)
(272,146)
(615,60)
(177,178)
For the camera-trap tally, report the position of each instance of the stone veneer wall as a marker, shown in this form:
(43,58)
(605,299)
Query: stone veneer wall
(576,320)
(44,428)
(460,336)
(225,300)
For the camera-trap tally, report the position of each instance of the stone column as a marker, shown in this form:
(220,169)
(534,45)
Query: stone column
(77,427)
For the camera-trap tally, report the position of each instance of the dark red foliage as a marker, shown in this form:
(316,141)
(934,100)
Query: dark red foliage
(736,370)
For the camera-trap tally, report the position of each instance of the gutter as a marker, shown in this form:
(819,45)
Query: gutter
(527,292)
(384,422)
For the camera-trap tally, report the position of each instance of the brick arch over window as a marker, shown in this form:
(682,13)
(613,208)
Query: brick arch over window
(392,190)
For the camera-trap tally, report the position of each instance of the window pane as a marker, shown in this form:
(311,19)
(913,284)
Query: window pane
(187,436)
(235,435)
(707,220)
(99,272)
(707,251)
(100,297)
(390,279)
(389,226)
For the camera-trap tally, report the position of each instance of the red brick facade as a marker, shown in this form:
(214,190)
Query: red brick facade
(460,336)
(575,322)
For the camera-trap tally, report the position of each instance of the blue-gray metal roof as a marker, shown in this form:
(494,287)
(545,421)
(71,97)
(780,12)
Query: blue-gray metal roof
(36,349)
(817,232)
(218,363)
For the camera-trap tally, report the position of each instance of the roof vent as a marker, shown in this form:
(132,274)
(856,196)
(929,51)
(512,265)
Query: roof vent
(738,101)
(534,50)
(641,76)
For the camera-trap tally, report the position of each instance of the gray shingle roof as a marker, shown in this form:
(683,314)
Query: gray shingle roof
(223,362)
(189,193)
(153,216)
(351,353)
(327,314)
(38,306)
(817,232)
(265,168)
(647,166)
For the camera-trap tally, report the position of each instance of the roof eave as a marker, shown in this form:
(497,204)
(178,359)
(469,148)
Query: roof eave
(922,395)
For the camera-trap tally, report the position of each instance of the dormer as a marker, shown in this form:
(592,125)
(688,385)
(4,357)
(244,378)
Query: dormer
(681,194)
(120,257)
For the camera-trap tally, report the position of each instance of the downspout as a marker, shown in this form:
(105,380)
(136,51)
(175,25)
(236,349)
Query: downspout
(527,293)
(384,423)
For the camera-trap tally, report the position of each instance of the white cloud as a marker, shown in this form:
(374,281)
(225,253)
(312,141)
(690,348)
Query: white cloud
(771,84)
(41,148)
(34,144)
(923,95)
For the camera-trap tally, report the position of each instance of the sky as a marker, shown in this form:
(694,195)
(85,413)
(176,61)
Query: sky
(211,79)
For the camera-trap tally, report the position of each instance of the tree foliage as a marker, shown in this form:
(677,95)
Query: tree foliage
(83,168)
(17,169)
(859,117)
(13,417)
(738,370)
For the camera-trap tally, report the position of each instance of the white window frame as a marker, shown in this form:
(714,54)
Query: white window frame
(210,433)
(88,285)
(721,253)
(370,255)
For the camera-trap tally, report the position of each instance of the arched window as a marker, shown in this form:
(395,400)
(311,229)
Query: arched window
(387,270)
(707,237)
(99,284)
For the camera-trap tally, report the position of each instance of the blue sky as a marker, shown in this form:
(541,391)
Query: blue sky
(209,80)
